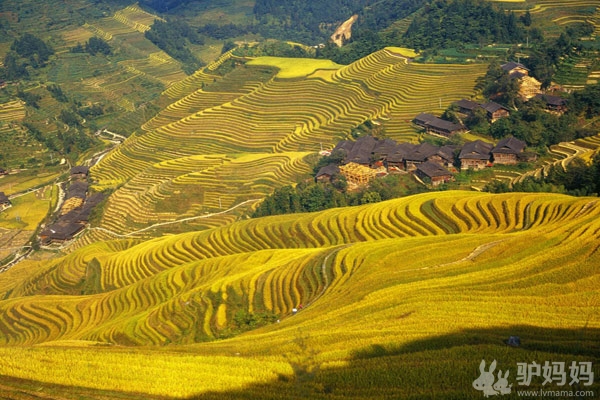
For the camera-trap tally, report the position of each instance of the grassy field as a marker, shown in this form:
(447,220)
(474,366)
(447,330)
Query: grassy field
(394,295)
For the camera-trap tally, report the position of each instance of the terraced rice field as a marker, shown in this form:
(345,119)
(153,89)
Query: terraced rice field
(193,185)
(564,153)
(253,111)
(411,286)
(133,76)
(12,111)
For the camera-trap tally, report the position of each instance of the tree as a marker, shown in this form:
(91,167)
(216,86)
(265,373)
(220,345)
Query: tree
(97,45)
(370,197)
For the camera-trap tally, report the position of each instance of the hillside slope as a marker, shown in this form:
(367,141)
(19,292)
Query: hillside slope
(204,137)
(454,273)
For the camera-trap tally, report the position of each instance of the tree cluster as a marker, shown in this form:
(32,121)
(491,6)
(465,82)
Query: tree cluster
(309,197)
(446,23)
(27,51)
(98,45)
(172,37)
(57,93)
(274,48)
(93,46)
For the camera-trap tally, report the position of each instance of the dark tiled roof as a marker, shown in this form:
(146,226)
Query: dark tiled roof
(509,145)
(436,123)
(551,100)
(343,145)
(385,147)
(492,107)
(509,66)
(477,150)
(447,152)
(80,169)
(432,169)
(402,150)
(362,150)
(4,198)
(62,230)
(330,170)
(424,118)
(77,189)
(467,104)
(421,152)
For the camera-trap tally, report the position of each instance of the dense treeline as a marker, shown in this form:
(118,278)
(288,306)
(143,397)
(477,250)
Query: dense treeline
(27,51)
(578,179)
(172,37)
(93,46)
(273,48)
(308,197)
(301,20)
(438,24)
(165,5)
(446,23)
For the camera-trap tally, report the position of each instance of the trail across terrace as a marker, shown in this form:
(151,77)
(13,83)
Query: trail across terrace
(173,222)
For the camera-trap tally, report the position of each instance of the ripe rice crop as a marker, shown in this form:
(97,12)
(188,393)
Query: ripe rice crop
(442,277)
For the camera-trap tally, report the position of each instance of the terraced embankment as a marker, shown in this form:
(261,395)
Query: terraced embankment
(441,278)
(251,111)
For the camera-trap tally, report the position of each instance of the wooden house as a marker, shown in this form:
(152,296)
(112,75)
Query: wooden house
(553,103)
(433,124)
(444,156)
(495,111)
(418,155)
(475,155)
(396,160)
(434,173)
(80,172)
(467,107)
(507,151)
(362,151)
(515,69)
(326,173)
(60,232)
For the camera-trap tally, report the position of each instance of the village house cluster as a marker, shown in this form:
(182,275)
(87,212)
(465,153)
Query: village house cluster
(75,211)
(368,157)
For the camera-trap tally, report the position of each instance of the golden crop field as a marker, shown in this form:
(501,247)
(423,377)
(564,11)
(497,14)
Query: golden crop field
(392,294)
(258,113)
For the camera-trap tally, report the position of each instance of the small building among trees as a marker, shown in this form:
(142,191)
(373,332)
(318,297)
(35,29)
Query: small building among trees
(434,173)
(495,111)
(326,173)
(4,202)
(507,151)
(431,123)
(475,155)
(553,103)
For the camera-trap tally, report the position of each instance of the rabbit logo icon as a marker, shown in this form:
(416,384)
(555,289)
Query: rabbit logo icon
(485,381)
